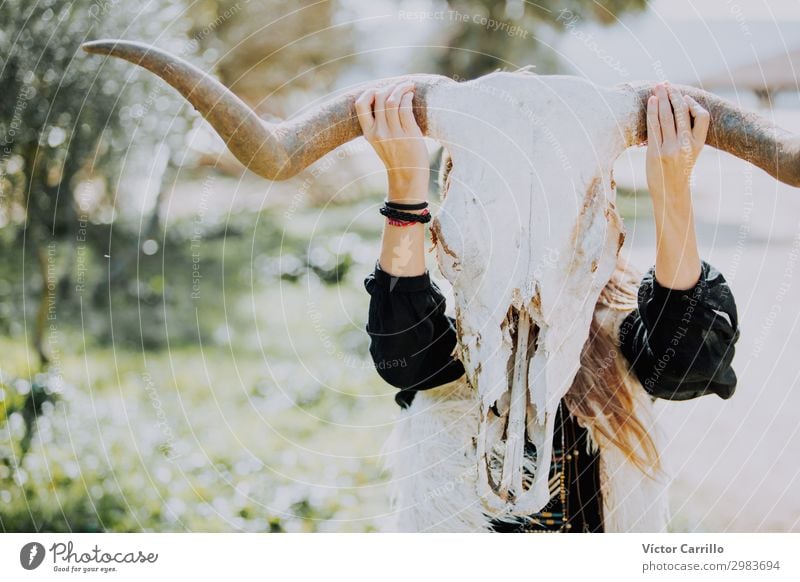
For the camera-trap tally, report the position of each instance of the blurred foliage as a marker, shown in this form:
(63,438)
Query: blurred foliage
(68,124)
(114,435)
(472,50)
(157,306)
(633,204)
(276,50)
(271,419)
(68,116)
(21,403)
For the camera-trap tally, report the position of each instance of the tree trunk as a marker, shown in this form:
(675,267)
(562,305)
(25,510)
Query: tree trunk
(47,298)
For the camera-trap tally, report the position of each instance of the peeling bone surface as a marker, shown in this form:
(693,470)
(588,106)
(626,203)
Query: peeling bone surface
(528,236)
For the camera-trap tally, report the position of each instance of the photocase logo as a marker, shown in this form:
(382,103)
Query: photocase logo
(31,555)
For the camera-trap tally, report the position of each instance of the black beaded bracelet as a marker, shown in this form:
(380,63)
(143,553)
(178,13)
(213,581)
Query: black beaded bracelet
(402,206)
(407,216)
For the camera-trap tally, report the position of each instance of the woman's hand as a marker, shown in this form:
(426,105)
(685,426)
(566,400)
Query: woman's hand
(673,146)
(672,143)
(387,121)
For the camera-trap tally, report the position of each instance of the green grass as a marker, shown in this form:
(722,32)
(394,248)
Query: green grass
(252,408)
(633,204)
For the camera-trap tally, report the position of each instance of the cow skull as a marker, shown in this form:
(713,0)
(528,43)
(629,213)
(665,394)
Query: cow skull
(528,236)
(528,233)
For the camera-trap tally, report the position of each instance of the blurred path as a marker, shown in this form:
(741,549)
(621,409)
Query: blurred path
(735,461)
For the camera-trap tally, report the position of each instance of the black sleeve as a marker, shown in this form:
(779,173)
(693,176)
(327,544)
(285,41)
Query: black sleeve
(411,338)
(680,343)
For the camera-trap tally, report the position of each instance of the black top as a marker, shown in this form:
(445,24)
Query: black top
(680,344)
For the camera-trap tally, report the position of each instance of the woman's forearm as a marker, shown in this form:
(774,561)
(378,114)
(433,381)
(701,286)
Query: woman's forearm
(403,250)
(676,131)
(677,256)
(388,123)
(403,247)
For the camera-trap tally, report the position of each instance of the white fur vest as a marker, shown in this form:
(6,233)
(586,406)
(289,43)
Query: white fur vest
(431,457)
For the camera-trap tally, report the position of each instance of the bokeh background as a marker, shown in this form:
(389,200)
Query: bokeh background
(182,344)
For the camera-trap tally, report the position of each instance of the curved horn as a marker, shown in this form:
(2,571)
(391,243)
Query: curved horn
(275,151)
(744,134)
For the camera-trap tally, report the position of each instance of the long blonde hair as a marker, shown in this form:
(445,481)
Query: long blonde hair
(600,397)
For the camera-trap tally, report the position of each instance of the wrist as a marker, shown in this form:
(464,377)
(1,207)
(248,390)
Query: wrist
(673,218)
(407,197)
(677,192)
(672,208)
(408,189)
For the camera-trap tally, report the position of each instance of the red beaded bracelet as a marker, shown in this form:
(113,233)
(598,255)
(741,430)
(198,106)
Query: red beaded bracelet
(399,222)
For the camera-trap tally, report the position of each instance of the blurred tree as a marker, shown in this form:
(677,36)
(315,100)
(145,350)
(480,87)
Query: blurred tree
(67,122)
(280,46)
(278,56)
(486,41)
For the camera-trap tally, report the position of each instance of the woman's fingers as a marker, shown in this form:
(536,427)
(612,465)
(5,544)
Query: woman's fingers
(702,120)
(393,107)
(682,123)
(407,119)
(381,127)
(665,117)
(364,111)
(653,127)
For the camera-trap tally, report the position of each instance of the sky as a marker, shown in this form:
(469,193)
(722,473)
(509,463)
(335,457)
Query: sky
(680,40)
(683,41)
(727,9)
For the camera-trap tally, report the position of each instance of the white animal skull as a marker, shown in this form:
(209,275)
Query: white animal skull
(528,236)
